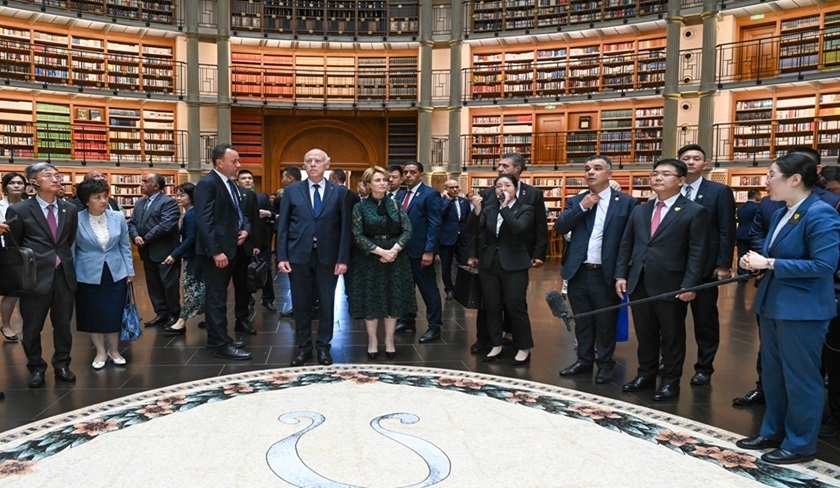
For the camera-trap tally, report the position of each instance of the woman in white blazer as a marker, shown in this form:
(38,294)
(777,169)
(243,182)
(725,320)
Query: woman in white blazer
(14,187)
(104,267)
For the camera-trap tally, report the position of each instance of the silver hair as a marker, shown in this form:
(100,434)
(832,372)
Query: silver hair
(33,169)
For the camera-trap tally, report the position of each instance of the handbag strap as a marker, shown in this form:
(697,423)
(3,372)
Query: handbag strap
(129,294)
(8,236)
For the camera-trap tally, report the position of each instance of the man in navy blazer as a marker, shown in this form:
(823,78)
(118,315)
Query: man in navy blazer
(663,249)
(31,224)
(718,200)
(453,233)
(313,246)
(746,214)
(597,219)
(223,228)
(153,228)
(423,206)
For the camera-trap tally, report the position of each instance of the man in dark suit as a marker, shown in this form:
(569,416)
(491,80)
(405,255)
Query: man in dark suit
(47,225)
(423,205)
(339,177)
(746,214)
(663,249)
(597,219)
(266,218)
(313,246)
(537,236)
(223,228)
(243,302)
(395,180)
(720,204)
(453,233)
(153,228)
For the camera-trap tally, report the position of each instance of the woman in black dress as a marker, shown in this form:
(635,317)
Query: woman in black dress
(382,285)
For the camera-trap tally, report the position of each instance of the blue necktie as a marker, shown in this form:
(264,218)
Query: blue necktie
(316,200)
(235,195)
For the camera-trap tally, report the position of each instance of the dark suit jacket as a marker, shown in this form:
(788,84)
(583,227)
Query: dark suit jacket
(674,257)
(188,233)
(218,222)
(158,226)
(424,211)
(29,227)
(801,285)
(453,231)
(746,215)
(538,236)
(251,209)
(512,248)
(298,226)
(719,202)
(575,219)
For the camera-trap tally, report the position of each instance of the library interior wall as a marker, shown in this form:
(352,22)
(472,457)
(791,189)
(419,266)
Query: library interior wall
(209,118)
(207,53)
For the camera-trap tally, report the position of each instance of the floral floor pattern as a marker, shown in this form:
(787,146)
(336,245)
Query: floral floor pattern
(355,425)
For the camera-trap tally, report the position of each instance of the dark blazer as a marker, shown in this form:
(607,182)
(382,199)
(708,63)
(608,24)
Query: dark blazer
(267,225)
(719,202)
(452,228)
(575,219)
(801,286)
(29,227)
(298,226)
(537,238)
(766,209)
(251,209)
(187,232)
(512,248)
(219,222)
(424,211)
(158,226)
(674,257)
(746,215)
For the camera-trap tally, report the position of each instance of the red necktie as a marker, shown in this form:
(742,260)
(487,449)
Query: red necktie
(406,199)
(657,217)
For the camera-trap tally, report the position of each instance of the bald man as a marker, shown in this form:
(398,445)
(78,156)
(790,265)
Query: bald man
(453,233)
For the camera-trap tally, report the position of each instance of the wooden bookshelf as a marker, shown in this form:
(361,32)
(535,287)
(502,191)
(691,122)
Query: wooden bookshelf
(494,135)
(17,135)
(742,180)
(246,136)
(126,185)
(402,139)
(90,133)
(52,121)
(157,11)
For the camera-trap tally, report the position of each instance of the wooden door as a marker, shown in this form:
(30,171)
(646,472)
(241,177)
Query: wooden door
(549,139)
(754,57)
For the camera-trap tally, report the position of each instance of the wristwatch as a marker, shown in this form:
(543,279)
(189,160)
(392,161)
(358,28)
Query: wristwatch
(771,263)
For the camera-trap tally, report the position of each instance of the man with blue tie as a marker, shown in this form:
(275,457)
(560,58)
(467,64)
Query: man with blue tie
(597,219)
(313,246)
(453,233)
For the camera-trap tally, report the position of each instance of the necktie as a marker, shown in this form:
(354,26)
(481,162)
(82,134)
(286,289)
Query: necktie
(391,194)
(657,218)
(457,207)
(147,205)
(688,191)
(406,199)
(590,220)
(235,195)
(53,223)
(316,199)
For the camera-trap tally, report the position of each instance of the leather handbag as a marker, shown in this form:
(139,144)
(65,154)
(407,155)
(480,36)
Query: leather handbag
(18,273)
(257,274)
(467,287)
(130,329)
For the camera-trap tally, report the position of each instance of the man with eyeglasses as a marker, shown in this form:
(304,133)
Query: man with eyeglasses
(47,225)
(663,249)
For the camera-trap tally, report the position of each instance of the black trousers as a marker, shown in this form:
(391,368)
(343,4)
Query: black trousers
(426,281)
(268,288)
(704,311)
(659,325)
(504,295)
(241,296)
(831,362)
(164,284)
(589,290)
(216,281)
(304,296)
(58,303)
(447,253)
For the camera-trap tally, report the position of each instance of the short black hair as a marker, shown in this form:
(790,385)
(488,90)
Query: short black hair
(8,177)
(187,189)
(294,172)
(691,147)
(678,164)
(218,152)
(606,159)
(515,158)
(799,163)
(510,177)
(88,188)
(753,193)
(808,151)
(340,175)
(244,171)
(414,163)
(395,167)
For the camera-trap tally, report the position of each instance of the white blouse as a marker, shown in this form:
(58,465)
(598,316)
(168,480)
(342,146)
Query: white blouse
(99,224)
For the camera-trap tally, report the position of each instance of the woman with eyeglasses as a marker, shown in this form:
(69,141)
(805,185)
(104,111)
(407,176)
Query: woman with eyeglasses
(795,302)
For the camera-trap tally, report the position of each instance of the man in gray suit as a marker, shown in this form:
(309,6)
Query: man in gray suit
(153,228)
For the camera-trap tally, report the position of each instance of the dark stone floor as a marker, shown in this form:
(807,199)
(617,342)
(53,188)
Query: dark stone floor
(156,361)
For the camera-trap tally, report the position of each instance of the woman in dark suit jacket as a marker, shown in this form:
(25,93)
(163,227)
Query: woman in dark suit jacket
(795,302)
(193,287)
(104,266)
(503,263)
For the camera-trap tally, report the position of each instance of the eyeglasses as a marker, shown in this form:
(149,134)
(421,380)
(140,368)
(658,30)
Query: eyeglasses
(771,176)
(50,176)
(664,174)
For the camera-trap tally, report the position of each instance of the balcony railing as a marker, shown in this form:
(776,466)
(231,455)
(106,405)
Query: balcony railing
(162,12)
(764,140)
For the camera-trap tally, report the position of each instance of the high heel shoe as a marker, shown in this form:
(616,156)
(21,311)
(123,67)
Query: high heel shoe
(372,355)
(390,354)
(169,331)
(489,359)
(9,338)
(517,362)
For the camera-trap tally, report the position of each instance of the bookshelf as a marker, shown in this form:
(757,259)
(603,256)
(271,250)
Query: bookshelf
(494,135)
(402,139)
(831,41)
(617,133)
(159,136)
(246,136)
(52,123)
(15,54)
(125,135)
(126,189)
(17,138)
(742,180)
(90,133)
(648,134)
(157,11)
(828,130)
(800,44)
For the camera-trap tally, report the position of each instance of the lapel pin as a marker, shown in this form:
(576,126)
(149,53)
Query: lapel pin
(677,209)
(699,197)
(616,199)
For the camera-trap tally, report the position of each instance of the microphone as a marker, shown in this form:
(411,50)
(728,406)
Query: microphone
(559,308)
(35,184)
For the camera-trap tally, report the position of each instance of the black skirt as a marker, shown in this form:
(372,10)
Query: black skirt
(99,307)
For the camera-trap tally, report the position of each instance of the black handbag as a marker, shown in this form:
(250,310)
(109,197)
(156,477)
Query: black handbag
(257,274)
(467,287)
(17,269)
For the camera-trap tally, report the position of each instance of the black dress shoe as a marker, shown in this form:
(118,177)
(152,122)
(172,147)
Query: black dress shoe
(639,383)
(170,321)
(701,378)
(577,368)
(757,442)
(391,354)
(479,348)
(373,355)
(230,352)
(159,319)
(236,344)
(169,331)
(37,380)
(267,304)
(780,456)
(521,362)
(324,358)
(604,375)
(754,397)
(301,358)
(404,327)
(450,296)
(242,326)
(666,392)
(430,335)
(64,374)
